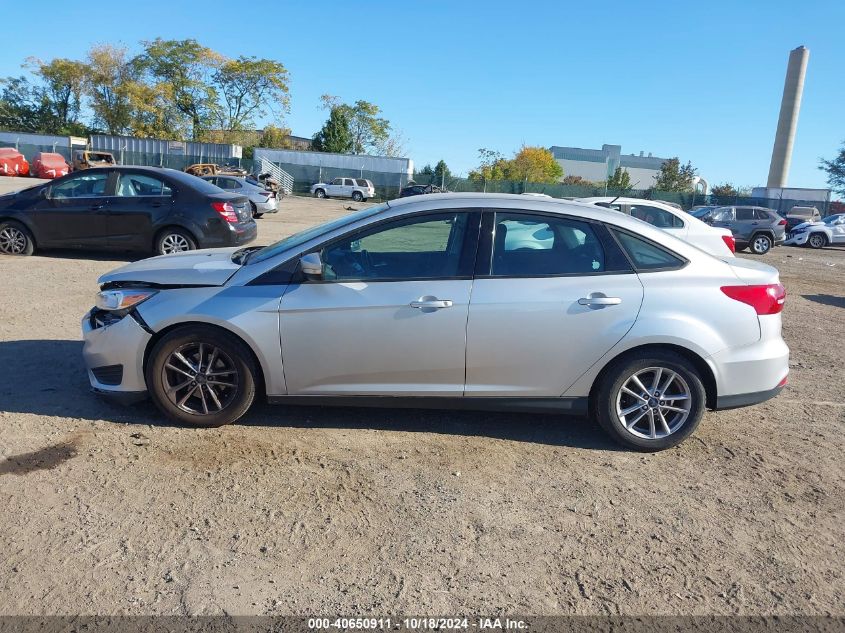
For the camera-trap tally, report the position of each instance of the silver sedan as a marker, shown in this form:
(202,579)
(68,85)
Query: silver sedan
(449,300)
(261,200)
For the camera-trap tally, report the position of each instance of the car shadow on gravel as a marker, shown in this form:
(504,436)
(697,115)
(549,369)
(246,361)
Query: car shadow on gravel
(828,300)
(93,255)
(47,377)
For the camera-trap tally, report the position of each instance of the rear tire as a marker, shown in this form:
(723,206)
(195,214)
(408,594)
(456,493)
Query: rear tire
(174,240)
(214,385)
(357,196)
(817,240)
(760,244)
(658,417)
(15,239)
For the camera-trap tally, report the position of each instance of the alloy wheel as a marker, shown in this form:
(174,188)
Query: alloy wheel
(653,403)
(12,241)
(816,241)
(200,378)
(761,245)
(174,243)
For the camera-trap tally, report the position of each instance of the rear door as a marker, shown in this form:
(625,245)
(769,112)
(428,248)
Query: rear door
(551,296)
(745,224)
(348,186)
(141,202)
(74,212)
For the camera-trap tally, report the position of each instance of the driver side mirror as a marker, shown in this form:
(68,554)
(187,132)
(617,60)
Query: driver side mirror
(311,266)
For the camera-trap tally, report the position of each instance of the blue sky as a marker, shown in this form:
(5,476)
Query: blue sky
(701,81)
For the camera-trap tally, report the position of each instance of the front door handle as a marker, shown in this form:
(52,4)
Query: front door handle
(431,303)
(97,206)
(599,300)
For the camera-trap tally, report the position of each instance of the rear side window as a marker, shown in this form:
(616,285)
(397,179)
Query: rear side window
(134,185)
(362,183)
(348,182)
(744,213)
(661,218)
(646,255)
(526,245)
(760,214)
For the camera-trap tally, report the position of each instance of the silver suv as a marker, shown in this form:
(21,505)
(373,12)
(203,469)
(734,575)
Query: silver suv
(359,189)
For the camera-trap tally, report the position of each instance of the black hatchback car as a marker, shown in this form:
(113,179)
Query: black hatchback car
(149,209)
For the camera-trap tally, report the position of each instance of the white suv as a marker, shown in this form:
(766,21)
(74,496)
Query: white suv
(716,241)
(358,189)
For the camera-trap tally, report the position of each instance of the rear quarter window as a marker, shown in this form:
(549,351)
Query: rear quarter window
(646,255)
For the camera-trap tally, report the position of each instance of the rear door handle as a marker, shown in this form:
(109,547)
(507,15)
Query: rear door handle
(599,301)
(431,303)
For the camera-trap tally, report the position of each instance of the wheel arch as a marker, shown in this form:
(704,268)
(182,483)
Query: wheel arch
(705,372)
(823,233)
(172,225)
(26,224)
(261,387)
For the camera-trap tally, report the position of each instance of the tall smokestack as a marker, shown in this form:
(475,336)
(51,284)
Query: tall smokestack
(790,105)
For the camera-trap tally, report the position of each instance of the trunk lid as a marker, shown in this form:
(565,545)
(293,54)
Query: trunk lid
(752,272)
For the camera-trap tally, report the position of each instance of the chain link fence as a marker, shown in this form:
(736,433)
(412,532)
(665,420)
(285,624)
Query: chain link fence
(388,185)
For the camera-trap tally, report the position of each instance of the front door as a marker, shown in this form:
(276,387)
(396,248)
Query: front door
(389,315)
(555,296)
(74,212)
(140,203)
(335,188)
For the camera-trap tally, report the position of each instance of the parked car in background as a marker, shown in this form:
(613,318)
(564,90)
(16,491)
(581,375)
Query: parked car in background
(148,209)
(413,189)
(261,200)
(12,162)
(86,159)
(718,241)
(830,230)
(213,169)
(756,228)
(588,311)
(359,189)
(49,165)
(701,209)
(800,215)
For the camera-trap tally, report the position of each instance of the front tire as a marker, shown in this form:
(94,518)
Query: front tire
(15,239)
(817,240)
(202,376)
(320,193)
(174,240)
(760,244)
(650,401)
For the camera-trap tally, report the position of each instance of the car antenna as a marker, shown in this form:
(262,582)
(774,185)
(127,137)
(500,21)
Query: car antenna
(620,195)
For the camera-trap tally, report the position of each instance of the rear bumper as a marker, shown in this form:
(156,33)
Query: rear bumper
(236,234)
(271,206)
(746,399)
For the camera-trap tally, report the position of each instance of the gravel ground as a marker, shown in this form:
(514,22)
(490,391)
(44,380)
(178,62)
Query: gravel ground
(112,510)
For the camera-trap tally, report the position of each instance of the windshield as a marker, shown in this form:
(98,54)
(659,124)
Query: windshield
(300,238)
(701,212)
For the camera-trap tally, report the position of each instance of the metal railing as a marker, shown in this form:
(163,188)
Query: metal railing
(284,179)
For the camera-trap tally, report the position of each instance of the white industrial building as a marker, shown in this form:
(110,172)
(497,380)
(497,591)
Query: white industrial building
(597,165)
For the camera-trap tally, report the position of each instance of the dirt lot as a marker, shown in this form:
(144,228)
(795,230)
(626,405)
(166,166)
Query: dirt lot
(112,510)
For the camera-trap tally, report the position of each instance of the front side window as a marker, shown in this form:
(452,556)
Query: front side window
(526,245)
(645,255)
(132,185)
(661,218)
(337,181)
(91,184)
(427,247)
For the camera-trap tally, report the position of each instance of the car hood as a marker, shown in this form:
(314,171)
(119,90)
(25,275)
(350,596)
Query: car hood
(209,267)
(806,225)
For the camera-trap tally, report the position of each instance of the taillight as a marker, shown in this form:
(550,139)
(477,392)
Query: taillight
(782,223)
(226,210)
(765,299)
(730,242)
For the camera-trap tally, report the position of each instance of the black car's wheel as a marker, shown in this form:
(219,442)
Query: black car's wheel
(760,244)
(650,401)
(817,240)
(173,240)
(15,239)
(320,193)
(357,196)
(202,376)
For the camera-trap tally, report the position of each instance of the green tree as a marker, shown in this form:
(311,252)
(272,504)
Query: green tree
(533,164)
(675,177)
(63,88)
(184,70)
(726,190)
(334,135)
(835,170)
(23,107)
(492,167)
(275,137)
(251,88)
(109,85)
(576,180)
(367,129)
(619,181)
(441,173)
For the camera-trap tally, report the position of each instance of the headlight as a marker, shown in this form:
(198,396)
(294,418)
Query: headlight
(122,299)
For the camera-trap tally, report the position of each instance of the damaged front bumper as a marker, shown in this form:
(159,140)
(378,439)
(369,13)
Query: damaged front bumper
(113,351)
